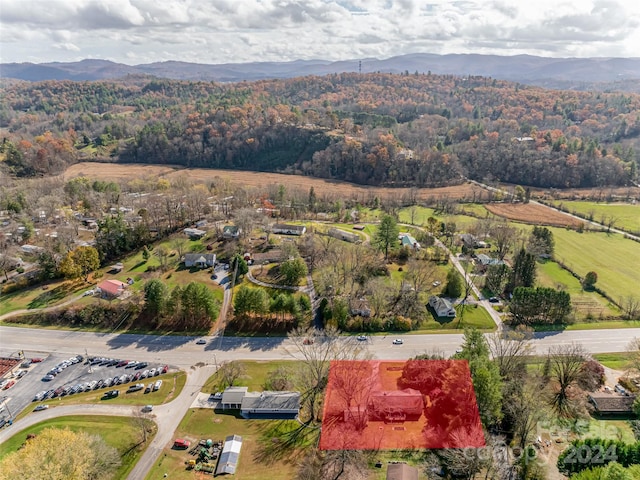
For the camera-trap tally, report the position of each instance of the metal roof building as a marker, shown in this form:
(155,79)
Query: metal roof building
(228,461)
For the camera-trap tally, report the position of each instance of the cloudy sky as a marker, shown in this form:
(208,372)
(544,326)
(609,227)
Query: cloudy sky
(229,31)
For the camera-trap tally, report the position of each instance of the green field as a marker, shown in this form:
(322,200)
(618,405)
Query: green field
(118,432)
(611,256)
(587,305)
(626,215)
(256,372)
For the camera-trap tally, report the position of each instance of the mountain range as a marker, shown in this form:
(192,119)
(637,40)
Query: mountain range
(571,73)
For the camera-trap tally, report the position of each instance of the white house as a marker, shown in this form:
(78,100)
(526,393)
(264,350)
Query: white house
(201,260)
(286,229)
(442,307)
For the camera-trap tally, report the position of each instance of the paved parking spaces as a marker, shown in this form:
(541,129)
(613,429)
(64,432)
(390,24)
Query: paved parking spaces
(60,375)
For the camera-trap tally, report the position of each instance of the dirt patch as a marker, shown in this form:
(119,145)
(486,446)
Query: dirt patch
(532,213)
(331,188)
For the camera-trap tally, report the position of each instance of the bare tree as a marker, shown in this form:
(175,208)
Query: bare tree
(526,408)
(565,367)
(503,235)
(420,274)
(634,355)
(315,349)
(509,350)
(631,307)
(142,424)
(229,372)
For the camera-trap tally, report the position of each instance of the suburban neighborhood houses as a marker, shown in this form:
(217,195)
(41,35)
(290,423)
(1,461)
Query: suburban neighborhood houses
(251,310)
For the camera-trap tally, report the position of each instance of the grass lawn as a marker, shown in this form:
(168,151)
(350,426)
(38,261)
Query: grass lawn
(254,377)
(609,255)
(37,297)
(610,430)
(118,432)
(172,385)
(473,317)
(627,216)
(617,360)
(587,305)
(261,457)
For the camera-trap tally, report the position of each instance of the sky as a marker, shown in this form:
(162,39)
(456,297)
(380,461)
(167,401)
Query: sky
(237,31)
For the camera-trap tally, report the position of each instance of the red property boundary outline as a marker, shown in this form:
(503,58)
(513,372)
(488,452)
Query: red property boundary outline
(400,404)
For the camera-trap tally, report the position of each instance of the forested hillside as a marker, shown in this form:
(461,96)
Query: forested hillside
(375,129)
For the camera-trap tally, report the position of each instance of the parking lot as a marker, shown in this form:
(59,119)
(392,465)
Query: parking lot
(58,375)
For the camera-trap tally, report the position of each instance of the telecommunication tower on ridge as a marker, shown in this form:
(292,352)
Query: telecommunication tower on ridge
(359,66)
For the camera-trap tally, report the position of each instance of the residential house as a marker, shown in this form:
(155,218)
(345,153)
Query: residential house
(111,288)
(194,233)
(408,241)
(442,307)
(611,404)
(484,261)
(230,455)
(232,397)
(286,229)
(360,307)
(270,256)
(395,405)
(200,260)
(401,471)
(344,236)
(230,232)
(272,405)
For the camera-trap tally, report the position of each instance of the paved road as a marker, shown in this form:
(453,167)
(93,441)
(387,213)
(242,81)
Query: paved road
(184,352)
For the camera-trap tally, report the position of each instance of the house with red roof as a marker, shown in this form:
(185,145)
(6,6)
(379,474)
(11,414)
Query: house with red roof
(111,288)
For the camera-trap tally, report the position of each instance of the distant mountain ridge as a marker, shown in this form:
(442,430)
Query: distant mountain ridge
(576,73)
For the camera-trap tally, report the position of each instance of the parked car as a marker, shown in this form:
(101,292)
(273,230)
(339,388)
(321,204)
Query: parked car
(48,377)
(147,408)
(142,365)
(36,360)
(39,408)
(157,385)
(398,341)
(181,443)
(165,369)
(201,341)
(362,338)
(494,300)
(135,388)
(112,394)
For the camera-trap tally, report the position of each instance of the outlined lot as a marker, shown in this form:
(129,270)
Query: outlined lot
(414,404)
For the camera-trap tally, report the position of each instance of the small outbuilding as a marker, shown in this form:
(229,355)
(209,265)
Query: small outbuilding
(232,397)
(194,233)
(230,455)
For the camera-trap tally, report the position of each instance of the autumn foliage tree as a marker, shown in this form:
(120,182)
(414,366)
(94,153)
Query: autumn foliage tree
(61,454)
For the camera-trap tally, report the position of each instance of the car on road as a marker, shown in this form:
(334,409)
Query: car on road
(39,408)
(459,350)
(494,300)
(48,378)
(36,360)
(202,341)
(147,408)
(362,338)
(398,341)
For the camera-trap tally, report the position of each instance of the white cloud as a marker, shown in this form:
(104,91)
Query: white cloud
(220,31)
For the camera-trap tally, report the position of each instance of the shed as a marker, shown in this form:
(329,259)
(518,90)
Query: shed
(230,455)
(401,471)
(344,236)
(232,397)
